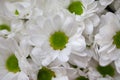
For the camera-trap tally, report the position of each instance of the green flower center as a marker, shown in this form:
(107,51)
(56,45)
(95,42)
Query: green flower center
(58,40)
(76,7)
(116,39)
(81,78)
(5,27)
(12,64)
(16,12)
(45,74)
(106,70)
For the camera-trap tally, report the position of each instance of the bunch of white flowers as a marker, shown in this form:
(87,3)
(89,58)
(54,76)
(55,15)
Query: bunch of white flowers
(59,39)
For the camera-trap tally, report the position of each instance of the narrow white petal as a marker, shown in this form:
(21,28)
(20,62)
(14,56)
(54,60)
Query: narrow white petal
(22,76)
(9,76)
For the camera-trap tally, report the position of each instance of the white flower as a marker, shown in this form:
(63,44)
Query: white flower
(97,72)
(79,8)
(108,39)
(9,61)
(20,9)
(11,28)
(50,73)
(57,38)
(83,10)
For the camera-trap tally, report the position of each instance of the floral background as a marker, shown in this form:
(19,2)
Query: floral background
(59,39)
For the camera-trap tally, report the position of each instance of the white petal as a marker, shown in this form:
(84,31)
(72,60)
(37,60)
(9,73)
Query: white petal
(64,54)
(36,56)
(77,42)
(95,20)
(61,78)
(37,40)
(92,8)
(25,47)
(103,62)
(88,26)
(64,3)
(69,27)
(59,71)
(80,61)
(22,76)
(117,65)
(9,76)
(72,73)
(63,58)
(50,58)
(3,71)
(57,21)
(48,28)
(88,1)
(106,2)
(25,66)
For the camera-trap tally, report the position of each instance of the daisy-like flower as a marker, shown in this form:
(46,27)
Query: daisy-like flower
(79,8)
(53,73)
(97,72)
(108,39)
(57,37)
(83,10)
(10,60)
(20,9)
(11,28)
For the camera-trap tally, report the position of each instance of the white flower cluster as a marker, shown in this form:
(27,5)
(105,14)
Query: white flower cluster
(59,39)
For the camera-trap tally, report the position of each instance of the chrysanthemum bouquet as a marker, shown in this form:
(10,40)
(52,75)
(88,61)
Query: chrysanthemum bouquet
(59,39)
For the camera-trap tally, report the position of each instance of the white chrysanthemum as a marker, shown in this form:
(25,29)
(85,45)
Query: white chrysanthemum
(47,73)
(9,61)
(22,9)
(108,39)
(82,10)
(11,28)
(57,37)
(97,72)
